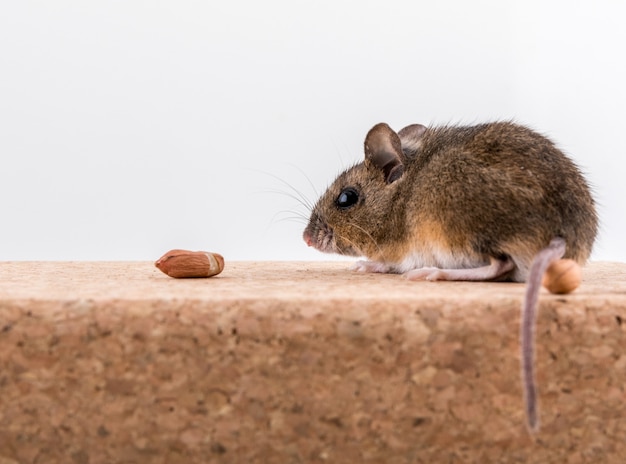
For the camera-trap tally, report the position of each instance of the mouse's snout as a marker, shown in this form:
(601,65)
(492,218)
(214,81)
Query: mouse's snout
(306,236)
(311,231)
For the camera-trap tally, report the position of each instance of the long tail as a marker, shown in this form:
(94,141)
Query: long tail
(544,258)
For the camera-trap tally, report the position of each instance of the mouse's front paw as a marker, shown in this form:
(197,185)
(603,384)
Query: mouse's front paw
(370,266)
(425,273)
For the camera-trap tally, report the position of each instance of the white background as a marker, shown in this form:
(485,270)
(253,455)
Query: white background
(131,127)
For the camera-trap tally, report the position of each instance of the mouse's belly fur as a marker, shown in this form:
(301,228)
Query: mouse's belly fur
(429,247)
(437,258)
(432,247)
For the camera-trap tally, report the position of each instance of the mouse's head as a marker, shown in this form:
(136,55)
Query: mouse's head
(362,210)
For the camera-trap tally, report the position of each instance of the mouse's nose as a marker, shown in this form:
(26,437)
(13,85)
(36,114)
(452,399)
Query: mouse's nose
(306,236)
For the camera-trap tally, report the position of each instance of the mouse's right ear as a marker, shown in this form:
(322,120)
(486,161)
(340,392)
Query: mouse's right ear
(383,150)
(411,138)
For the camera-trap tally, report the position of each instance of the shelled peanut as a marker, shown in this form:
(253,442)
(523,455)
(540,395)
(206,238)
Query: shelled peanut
(182,264)
(562,276)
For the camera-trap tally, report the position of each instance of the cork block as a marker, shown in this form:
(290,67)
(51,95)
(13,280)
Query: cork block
(301,362)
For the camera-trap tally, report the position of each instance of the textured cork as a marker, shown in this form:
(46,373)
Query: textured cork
(301,362)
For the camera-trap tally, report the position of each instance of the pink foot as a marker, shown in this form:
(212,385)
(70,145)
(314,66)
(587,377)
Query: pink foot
(498,268)
(371,266)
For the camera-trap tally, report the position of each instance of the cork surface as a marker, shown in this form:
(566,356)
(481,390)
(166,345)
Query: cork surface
(301,362)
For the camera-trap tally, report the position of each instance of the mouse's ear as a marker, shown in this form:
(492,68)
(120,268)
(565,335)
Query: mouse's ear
(411,138)
(384,151)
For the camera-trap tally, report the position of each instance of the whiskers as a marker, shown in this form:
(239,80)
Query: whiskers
(291,216)
(360,248)
(303,204)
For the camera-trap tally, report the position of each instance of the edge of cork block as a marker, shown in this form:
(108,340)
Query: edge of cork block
(301,362)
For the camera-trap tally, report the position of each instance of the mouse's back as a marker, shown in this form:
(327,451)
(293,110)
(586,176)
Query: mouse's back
(499,189)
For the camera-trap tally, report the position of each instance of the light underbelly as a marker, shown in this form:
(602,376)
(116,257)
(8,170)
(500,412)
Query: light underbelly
(439,258)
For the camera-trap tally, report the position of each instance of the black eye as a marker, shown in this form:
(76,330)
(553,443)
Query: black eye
(347,198)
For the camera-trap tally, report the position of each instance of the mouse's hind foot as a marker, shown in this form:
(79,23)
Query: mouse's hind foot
(496,270)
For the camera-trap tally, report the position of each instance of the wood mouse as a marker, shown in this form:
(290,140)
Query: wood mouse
(489,202)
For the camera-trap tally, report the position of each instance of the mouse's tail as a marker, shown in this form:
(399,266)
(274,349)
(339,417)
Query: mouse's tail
(542,260)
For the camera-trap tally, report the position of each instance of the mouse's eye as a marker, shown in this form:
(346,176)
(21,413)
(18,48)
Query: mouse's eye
(347,198)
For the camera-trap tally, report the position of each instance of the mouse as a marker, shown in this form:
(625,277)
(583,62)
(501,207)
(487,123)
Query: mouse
(496,201)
